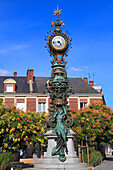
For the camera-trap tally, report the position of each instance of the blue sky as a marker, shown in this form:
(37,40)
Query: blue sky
(24,24)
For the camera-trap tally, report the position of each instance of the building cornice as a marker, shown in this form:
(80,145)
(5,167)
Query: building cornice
(47,95)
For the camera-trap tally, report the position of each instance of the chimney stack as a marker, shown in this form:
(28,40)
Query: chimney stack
(91,82)
(86,79)
(30,75)
(15,73)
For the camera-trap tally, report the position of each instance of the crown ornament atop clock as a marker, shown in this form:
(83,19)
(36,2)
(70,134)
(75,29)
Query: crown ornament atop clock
(57,41)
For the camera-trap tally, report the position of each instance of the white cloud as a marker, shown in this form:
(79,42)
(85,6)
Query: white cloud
(12,48)
(76,69)
(19,47)
(86,67)
(4,72)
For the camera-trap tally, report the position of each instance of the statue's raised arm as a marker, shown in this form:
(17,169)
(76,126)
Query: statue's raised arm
(64,111)
(55,114)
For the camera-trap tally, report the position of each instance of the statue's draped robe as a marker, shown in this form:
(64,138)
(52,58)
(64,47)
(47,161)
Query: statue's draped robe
(61,131)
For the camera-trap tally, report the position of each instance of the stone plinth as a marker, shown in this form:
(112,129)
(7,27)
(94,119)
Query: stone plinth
(52,162)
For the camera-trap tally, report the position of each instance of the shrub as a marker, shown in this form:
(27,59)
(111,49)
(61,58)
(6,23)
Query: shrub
(95,122)
(5,159)
(18,128)
(95,158)
(85,157)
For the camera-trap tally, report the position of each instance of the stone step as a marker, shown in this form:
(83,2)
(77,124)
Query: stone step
(61,167)
(27,160)
(30,160)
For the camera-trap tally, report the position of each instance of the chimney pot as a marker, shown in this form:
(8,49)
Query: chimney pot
(15,73)
(91,82)
(86,79)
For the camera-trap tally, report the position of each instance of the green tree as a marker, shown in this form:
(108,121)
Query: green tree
(95,122)
(18,128)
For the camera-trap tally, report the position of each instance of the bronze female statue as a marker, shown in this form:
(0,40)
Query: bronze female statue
(61,130)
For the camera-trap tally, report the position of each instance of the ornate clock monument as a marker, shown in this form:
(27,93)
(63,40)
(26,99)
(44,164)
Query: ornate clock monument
(58,44)
(60,152)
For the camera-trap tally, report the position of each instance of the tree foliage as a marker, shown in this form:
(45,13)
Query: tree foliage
(95,122)
(5,160)
(18,128)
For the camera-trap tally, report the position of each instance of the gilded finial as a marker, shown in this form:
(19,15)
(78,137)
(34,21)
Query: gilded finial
(58,22)
(57,12)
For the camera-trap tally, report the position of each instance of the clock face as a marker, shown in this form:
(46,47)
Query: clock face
(58,42)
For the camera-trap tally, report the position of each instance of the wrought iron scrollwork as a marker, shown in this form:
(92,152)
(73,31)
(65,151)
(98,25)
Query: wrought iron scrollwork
(51,122)
(69,121)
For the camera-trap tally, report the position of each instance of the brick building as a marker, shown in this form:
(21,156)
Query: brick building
(29,93)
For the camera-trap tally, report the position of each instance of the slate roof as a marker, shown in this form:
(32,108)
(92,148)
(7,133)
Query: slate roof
(21,84)
(78,85)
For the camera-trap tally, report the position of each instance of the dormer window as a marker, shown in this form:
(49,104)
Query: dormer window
(9,86)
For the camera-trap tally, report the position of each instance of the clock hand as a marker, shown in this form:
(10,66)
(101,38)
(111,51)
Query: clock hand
(59,42)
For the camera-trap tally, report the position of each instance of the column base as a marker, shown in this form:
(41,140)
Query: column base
(52,162)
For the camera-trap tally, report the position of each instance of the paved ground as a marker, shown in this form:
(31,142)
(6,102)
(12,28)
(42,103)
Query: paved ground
(106,165)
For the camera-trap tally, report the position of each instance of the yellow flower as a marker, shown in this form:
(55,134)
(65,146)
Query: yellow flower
(42,130)
(15,139)
(2,130)
(3,122)
(5,145)
(40,140)
(18,139)
(25,127)
(18,127)
(4,150)
(11,130)
(7,129)
(43,144)
(23,133)
(13,119)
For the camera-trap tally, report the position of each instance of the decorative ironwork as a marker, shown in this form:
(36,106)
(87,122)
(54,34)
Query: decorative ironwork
(58,44)
(58,41)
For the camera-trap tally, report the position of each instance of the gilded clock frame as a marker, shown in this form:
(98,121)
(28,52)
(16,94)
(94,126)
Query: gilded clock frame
(58,49)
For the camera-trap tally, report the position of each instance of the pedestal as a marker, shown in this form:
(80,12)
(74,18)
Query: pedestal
(50,162)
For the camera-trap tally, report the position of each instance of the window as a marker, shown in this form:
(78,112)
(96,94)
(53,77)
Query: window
(20,106)
(9,88)
(41,107)
(83,104)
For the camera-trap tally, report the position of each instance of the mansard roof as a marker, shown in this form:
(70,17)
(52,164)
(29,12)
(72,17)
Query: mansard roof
(22,86)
